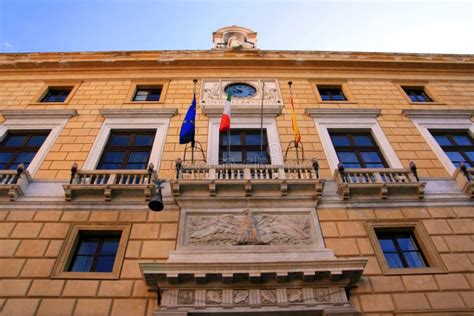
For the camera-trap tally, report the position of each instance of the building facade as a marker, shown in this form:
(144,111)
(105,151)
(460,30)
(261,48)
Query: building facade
(372,213)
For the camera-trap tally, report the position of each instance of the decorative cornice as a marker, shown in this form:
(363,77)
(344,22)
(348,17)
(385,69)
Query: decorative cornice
(38,114)
(243,112)
(439,114)
(343,113)
(139,113)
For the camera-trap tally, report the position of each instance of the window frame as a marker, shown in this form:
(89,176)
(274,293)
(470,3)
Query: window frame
(406,89)
(38,98)
(331,84)
(358,119)
(418,84)
(135,84)
(432,258)
(127,149)
(128,119)
(357,150)
(68,252)
(458,148)
(52,120)
(23,148)
(426,120)
(243,122)
(242,132)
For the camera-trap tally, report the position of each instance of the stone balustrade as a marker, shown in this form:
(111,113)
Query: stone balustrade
(13,183)
(464,177)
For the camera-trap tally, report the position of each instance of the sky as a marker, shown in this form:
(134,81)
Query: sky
(115,25)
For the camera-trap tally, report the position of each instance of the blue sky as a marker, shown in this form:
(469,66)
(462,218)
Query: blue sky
(98,25)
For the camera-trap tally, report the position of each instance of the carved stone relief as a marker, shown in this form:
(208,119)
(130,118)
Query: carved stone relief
(295,295)
(249,229)
(268,297)
(214,297)
(241,297)
(213,93)
(322,295)
(186,297)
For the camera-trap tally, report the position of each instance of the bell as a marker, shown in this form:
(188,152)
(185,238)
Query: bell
(156,203)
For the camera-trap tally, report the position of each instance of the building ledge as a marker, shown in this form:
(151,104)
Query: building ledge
(43,114)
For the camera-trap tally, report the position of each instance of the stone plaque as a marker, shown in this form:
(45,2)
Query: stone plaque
(249,229)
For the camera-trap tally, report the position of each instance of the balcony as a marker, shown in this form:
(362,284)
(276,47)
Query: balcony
(234,180)
(111,184)
(464,177)
(381,182)
(13,183)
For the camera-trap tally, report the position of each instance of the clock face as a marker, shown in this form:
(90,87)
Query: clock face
(241,90)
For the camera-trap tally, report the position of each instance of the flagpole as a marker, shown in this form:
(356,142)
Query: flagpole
(193,142)
(296,143)
(261,122)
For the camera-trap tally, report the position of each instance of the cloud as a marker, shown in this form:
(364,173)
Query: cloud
(7,45)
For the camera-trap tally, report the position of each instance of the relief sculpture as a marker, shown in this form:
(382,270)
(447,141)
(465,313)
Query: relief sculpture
(249,229)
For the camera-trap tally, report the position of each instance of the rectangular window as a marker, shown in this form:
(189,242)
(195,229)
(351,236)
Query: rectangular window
(56,94)
(147,93)
(245,147)
(95,251)
(127,150)
(457,145)
(357,150)
(331,93)
(401,249)
(417,94)
(20,147)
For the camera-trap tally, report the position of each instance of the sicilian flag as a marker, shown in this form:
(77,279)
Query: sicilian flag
(186,134)
(296,131)
(225,120)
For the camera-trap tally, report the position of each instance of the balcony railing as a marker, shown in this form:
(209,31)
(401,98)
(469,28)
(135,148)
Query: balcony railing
(250,175)
(384,180)
(14,182)
(110,182)
(464,177)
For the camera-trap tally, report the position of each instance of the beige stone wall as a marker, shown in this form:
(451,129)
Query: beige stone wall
(80,133)
(450,229)
(30,242)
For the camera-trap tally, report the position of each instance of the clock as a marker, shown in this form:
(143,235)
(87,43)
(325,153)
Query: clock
(241,90)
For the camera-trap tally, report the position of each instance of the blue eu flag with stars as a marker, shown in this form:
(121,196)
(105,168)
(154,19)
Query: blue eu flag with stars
(186,134)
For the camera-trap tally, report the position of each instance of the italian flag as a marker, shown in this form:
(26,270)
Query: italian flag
(225,120)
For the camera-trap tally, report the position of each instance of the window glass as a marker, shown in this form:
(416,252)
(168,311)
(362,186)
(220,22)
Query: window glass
(56,95)
(234,139)
(340,140)
(462,140)
(15,140)
(401,250)
(147,93)
(95,252)
(245,147)
(443,140)
(20,147)
(144,140)
(119,140)
(331,93)
(457,145)
(362,140)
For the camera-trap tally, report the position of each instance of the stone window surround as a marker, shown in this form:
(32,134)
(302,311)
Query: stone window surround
(435,99)
(425,120)
(435,263)
(55,84)
(52,120)
(67,253)
(333,82)
(242,121)
(126,119)
(147,82)
(347,119)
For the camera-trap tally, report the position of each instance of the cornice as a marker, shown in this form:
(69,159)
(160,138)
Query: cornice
(443,114)
(38,114)
(343,113)
(139,113)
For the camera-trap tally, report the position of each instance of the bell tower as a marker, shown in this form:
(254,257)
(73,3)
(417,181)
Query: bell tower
(234,37)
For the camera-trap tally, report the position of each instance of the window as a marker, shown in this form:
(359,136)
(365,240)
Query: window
(357,150)
(147,93)
(404,248)
(127,150)
(57,94)
(20,147)
(92,252)
(401,249)
(245,145)
(417,94)
(457,145)
(95,252)
(331,93)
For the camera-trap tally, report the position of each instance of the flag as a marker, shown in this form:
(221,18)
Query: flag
(225,120)
(186,134)
(296,131)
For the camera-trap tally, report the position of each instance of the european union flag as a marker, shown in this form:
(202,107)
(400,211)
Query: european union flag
(186,134)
